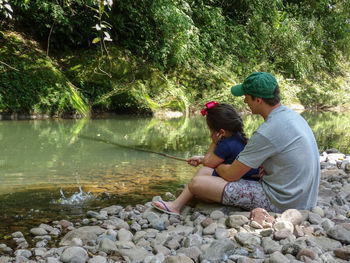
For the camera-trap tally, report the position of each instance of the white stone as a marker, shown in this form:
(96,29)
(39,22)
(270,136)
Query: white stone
(74,252)
(97,259)
(283,225)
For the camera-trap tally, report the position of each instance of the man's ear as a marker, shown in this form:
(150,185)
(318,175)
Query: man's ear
(259,100)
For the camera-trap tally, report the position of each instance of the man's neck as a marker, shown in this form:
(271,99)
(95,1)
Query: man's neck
(267,109)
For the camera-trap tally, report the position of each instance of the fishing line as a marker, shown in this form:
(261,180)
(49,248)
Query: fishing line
(131,148)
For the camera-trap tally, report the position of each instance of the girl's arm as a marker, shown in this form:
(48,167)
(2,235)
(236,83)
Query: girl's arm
(211,159)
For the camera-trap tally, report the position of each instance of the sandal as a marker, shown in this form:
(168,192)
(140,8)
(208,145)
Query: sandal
(164,209)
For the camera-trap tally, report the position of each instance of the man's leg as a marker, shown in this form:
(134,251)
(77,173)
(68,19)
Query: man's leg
(248,195)
(186,195)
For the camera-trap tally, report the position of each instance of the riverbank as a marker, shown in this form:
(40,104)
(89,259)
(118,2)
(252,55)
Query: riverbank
(202,233)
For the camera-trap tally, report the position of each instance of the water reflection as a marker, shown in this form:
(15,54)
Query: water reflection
(52,153)
(330,129)
(38,158)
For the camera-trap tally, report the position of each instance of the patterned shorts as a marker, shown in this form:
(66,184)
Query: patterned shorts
(247,195)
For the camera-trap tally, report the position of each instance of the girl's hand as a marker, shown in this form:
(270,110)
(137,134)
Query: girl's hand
(216,137)
(195,160)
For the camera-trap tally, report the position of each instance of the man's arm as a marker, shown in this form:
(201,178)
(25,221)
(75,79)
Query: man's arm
(232,172)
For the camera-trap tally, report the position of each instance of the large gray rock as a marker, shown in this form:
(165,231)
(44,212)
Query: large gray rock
(46,227)
(124,235)
(136,254)
(236,221)
(192,240)
(246,239)
(339,233)
(74,254)
(38,231)
(327,224)
(158,224)
(160,238)
(192,252)
(97,259)
(159,258)
(106,245)
(278,257)
(116,223)
(52,260)
(113,210)
(125,244)
(327,244)
(218,250)
(4,259)
(315,218)
(162,249)
(270,246)
(23,252)
(177,259)
(217,214)
(210,230)
(17,234)
(85,233)
(180,230)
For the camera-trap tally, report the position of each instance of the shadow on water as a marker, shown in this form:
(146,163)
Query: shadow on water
(39,158)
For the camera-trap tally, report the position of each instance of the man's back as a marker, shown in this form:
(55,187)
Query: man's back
(285,146)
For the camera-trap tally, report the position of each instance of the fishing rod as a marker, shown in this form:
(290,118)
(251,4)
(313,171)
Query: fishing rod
(131,148)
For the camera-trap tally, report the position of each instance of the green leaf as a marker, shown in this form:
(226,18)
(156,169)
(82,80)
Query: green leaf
(96,40)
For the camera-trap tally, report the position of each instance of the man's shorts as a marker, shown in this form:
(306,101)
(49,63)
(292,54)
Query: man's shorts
(247,195)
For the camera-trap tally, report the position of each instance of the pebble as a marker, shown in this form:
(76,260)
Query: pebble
(204,233)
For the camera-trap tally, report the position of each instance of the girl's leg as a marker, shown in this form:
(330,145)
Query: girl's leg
(186,195)
(208,188)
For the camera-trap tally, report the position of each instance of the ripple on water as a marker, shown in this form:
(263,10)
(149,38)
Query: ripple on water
(22,210)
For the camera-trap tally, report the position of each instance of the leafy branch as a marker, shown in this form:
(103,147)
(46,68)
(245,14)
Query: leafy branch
(6,9)
(7,65)
(102,28)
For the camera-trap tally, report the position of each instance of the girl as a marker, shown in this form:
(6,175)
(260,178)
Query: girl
(228,140)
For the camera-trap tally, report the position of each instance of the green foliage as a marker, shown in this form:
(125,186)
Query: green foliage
(173,54)
(32,84)
(131,100)
(71,22)
(325,92)
(162,31)
(133,87)
(6,9)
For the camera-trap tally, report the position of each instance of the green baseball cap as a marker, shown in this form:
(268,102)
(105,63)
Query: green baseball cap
(258,84)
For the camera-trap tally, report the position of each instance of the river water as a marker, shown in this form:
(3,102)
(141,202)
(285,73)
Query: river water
(55,169)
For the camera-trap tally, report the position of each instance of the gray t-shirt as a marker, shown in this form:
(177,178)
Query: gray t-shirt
(286,148)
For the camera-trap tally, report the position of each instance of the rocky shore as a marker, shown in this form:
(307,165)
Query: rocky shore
(202,233)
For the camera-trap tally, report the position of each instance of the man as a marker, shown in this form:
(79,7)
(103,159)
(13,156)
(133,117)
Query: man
(285,149)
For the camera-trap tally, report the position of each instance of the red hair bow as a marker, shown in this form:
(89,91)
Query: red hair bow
(208,106)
